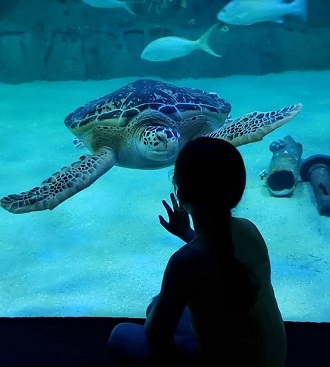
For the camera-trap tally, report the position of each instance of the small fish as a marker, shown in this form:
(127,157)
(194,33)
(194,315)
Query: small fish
(169,48)
(110,4)
(247,12)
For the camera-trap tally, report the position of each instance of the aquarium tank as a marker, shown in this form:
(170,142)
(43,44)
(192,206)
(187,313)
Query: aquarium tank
(83,173)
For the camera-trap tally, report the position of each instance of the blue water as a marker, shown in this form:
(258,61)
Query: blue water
(102,252)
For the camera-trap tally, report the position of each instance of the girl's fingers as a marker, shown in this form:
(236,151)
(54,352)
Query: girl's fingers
(174,201)
(167,208)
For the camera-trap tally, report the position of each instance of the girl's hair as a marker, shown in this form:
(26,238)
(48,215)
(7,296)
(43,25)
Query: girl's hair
(210,175)
(210,172)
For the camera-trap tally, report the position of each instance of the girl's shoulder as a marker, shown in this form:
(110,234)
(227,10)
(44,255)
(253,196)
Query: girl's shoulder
(187,257)
(187,252)
(249,242)
(244,225)
(184,266)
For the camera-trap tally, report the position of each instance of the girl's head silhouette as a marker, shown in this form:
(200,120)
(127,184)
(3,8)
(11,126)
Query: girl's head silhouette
(210,172)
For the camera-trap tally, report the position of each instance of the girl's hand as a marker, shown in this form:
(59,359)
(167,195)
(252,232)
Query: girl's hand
(178,220)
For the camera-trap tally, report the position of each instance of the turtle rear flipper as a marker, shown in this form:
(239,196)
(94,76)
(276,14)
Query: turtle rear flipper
(253,126)
(62,184)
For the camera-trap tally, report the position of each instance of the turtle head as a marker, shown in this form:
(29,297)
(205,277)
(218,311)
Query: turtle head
(159,144)
(157,140)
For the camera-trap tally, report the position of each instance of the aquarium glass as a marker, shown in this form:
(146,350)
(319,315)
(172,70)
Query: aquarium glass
(102,252)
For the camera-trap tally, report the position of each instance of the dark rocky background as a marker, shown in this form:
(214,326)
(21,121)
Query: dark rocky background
(70,40)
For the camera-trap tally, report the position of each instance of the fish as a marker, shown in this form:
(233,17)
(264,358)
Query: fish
(110,4)
(172,47)
(247,12)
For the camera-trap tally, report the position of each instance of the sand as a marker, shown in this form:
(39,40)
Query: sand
(103,252)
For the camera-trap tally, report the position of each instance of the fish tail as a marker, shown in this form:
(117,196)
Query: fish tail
(127,7)
(301,9)
(203,41)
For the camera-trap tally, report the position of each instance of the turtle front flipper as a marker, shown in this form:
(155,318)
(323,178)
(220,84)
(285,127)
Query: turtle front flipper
(62,184)
(253,126)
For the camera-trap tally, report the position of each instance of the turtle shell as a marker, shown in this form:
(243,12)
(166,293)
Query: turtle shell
(121,106)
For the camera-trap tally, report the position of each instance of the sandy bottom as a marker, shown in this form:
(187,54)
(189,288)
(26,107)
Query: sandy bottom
(103,252)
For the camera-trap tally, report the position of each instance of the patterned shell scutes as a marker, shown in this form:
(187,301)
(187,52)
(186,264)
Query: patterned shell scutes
(118,108)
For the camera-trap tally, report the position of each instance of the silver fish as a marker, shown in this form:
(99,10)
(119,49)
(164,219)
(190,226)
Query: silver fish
(169,48)
(109,4)
(247,12)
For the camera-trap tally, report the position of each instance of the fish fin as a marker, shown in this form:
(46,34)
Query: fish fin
(203,41)
(127,7)
(301,9)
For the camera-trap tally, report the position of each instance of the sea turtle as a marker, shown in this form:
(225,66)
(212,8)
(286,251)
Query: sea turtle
(143,125)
